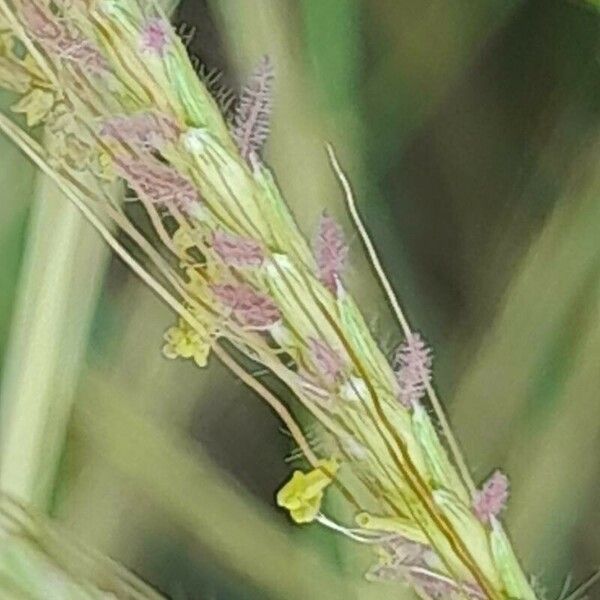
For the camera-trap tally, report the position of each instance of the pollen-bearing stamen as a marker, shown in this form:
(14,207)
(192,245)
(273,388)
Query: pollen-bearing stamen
(154,37)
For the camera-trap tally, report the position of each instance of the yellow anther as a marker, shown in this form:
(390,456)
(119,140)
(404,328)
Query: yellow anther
(303,493)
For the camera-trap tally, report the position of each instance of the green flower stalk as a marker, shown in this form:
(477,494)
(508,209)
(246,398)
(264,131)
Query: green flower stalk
(122,104)
(38,562)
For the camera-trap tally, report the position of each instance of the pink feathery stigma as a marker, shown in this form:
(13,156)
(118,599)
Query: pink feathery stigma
(237,251)
(327,362)
(250,308)
(412,365)
(159,183)
(39,21)
(82,52)
(331,251)
(145,129)
(252,117)
(60,40)
(492,498)
(155,36)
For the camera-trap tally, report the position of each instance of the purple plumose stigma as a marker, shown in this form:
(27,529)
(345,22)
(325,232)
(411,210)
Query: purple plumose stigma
(492,498)
(412,364)
(39,21)
(84,53)
(60,40)
(149,130)
(331,251)
(237,251)
(249,307)
(155,36)
(252,117)
(159,183)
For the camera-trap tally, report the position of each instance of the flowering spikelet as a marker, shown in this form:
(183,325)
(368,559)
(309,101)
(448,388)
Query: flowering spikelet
(331,251)
(412,365)
(144,129)
(253,113)
(160,184)
(155,36)
(251,308)
(491,499)
(237,251)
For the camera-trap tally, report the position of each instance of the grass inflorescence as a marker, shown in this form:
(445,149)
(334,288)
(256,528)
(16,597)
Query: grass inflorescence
(122,106)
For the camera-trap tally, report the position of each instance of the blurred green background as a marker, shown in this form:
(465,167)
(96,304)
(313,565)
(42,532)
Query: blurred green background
(470,131)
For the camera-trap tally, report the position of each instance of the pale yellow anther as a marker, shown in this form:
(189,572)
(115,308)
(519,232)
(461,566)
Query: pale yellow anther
(184,342)
(303,493)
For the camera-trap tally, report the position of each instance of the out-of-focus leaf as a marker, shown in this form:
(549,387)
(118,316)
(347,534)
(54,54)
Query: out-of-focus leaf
(499,384)
(62,271)
(39,562)
(188,489)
